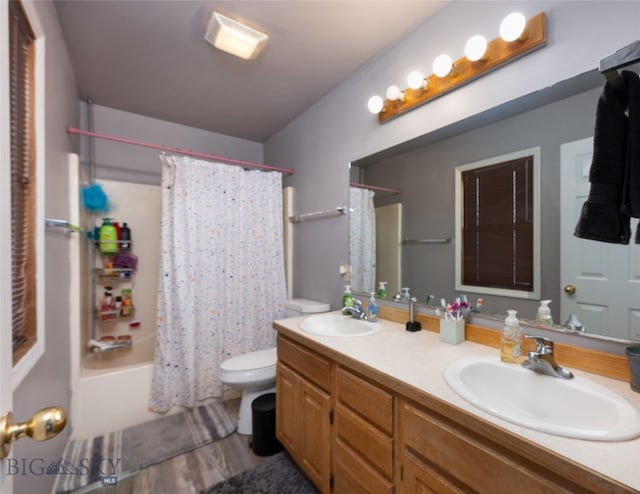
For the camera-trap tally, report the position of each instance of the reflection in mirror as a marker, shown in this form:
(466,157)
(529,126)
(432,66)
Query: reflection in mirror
(424,170)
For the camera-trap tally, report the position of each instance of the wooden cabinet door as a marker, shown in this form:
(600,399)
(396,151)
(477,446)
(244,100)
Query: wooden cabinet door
(420,478)
(315,434)
(287,383)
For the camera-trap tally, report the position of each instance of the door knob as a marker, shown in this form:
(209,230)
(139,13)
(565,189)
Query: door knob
(44,425)
(570,289)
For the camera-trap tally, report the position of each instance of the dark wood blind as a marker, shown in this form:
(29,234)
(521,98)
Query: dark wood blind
(498,225)
(23,194)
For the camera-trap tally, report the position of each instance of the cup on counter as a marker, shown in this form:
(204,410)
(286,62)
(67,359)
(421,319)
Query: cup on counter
(633,354)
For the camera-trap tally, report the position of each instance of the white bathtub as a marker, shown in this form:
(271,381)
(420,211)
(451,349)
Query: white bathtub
(113,390)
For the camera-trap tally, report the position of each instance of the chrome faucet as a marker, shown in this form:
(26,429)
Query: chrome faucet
(543,361)
(356,310)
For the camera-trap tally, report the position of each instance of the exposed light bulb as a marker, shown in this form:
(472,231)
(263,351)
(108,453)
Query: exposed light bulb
(475,48)
(416,80)
(394,93)
(512,26)
(442,65)
(375,104)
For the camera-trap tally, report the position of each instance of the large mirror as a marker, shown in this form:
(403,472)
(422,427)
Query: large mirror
(418,179)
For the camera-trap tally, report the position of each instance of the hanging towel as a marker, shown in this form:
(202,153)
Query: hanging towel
(601,217)
(631,191)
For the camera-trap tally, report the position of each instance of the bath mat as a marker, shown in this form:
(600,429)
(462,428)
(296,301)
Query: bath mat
(103,459)
(277,475)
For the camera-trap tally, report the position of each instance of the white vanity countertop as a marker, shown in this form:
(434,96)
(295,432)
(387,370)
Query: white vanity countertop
(419,359)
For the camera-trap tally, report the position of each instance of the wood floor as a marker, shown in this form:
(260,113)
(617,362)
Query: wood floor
(192,472)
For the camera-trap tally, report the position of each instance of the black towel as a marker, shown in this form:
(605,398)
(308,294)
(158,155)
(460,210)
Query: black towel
(601,218)
(631,190)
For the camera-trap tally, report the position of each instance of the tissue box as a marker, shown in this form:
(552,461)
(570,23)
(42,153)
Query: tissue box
(452,332)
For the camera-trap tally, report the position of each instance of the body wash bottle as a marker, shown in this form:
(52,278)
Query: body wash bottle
(372,309)
(511,344)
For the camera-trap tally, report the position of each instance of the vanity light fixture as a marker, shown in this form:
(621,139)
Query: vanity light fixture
(416,80)
(512,27)
(476,48)
(394,93)
(234,37)
(518,37)
(442,65)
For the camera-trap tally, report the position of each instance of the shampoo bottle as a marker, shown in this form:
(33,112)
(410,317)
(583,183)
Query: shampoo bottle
(544,314)
(511,344)
(372,309)
(347,299)
(108,237)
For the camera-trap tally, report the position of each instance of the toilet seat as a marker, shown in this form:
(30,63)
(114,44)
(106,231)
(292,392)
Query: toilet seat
(257,368)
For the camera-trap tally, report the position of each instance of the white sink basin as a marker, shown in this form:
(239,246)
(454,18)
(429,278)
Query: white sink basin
(577,408)
(335,324)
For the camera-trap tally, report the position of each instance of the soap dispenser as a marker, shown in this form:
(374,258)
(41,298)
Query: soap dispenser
(347,298)
(382,289)
(511,343)
(544,314)
(372,309)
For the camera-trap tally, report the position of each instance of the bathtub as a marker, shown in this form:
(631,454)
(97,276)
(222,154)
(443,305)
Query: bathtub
(113,389)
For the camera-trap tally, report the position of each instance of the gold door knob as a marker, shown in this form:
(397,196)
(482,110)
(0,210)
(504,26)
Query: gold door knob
(44,425)
(569,289)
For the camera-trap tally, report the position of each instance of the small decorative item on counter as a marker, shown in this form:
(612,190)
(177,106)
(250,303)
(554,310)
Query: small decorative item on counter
(108,237)
(452,322)
(125,237)
(633,355)
(127,302)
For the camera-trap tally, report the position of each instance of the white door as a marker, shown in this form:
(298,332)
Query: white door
(601,281)
(388,246)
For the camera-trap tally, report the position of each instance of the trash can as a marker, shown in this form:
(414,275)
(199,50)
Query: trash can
(263,418)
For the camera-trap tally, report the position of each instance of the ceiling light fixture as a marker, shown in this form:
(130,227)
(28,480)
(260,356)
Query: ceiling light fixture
(233,37)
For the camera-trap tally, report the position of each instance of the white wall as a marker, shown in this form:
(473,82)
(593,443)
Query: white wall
(338,129)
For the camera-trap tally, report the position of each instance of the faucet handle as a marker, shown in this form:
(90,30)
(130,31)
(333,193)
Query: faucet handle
(543,345)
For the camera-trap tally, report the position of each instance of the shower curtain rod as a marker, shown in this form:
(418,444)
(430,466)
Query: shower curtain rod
(231,161)
(374,187)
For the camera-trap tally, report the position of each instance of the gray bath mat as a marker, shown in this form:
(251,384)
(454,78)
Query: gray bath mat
(104,458)
(277,475)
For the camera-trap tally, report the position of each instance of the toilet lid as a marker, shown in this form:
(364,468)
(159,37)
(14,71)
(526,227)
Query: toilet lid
(251,361)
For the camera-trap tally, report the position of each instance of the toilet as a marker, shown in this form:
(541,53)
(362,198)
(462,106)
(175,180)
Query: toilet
(254,373)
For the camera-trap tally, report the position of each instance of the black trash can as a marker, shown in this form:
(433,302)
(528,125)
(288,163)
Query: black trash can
(263,421)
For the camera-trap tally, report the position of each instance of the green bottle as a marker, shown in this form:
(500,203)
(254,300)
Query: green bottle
(347,299)
(108,237)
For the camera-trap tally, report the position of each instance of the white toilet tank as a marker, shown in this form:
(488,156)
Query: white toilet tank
(302,306)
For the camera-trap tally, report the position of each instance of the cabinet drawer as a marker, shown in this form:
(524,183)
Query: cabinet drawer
(464,458)
(354,476)
(316,369)
(365,440)
(366,399)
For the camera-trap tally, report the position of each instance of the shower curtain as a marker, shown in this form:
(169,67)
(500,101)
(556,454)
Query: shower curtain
(362,239)
(221,280)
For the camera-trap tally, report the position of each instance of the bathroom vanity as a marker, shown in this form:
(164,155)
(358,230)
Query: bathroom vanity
(373,414)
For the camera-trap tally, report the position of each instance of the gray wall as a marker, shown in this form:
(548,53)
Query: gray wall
(338,129)
(426,178)
(49,382)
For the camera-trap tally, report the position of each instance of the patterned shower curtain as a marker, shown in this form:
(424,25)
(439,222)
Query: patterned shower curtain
(362,239)
(221,280)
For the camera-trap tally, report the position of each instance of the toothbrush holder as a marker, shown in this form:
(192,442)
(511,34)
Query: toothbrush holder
(452,331)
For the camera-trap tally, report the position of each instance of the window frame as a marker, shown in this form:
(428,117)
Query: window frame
(533,294)
(28,361)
